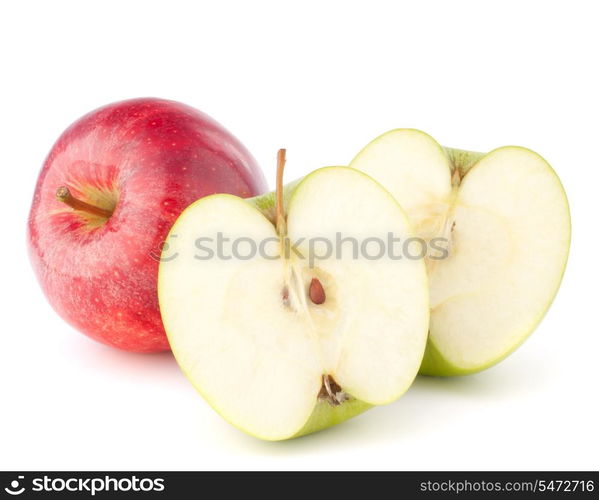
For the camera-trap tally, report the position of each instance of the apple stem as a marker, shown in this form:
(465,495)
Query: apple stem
(64,195)
(280,211)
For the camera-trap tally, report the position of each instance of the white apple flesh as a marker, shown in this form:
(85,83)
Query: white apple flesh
(506,221)
(281,348)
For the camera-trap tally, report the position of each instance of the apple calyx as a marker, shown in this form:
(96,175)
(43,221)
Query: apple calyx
(331,391)
(64,195)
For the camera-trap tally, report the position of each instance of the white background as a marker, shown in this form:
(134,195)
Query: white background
(322,79)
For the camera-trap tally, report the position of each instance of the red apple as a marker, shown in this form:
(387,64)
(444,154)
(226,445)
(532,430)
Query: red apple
(123,174)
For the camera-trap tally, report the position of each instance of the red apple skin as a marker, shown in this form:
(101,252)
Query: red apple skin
(152,157)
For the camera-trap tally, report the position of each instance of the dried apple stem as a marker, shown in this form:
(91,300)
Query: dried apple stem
(64,195)
(329,391)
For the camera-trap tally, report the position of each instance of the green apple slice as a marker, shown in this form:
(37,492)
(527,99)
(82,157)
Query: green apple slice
(251,331)
(505,221)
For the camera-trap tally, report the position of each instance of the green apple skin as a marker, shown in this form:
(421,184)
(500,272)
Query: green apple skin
(266,203)
(433,363)
(325,415)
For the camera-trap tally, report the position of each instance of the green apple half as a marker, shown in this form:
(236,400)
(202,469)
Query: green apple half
(281,348)
(505,219)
